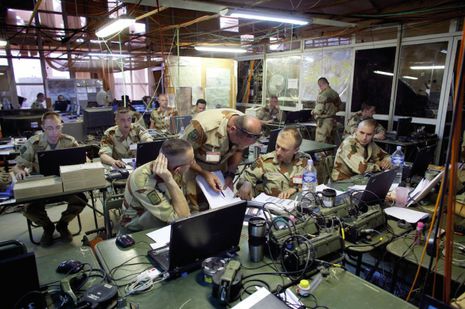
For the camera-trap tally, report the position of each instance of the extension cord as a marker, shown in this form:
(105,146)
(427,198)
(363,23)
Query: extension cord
(151,274)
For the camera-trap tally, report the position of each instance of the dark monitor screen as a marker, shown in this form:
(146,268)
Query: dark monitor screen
(272,141)
(404,127)
(377,187)
(298,117)
(61,106)
(51,160)
(422,160)
(100,117)
(147,152)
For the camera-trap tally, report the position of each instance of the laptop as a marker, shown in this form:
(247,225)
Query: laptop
(420,164)
(147,152)
(51,160)
(193,239)
(376,189)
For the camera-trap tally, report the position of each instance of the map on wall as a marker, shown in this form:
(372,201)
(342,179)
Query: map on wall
(218,87)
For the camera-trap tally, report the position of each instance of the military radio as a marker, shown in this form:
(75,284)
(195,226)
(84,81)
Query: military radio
(372,219)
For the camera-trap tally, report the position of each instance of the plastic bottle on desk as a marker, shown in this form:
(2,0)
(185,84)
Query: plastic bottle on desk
(397,161)
(309,178)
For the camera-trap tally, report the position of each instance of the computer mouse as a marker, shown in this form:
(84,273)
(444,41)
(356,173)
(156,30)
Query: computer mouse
(69,267)
(124,240)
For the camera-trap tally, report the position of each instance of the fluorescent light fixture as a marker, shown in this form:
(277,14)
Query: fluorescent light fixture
(115,26)
(383,73)
(221,49)
(103,55)
(444,51)
(410,77)
(266,16)
(3,43)
(427,67)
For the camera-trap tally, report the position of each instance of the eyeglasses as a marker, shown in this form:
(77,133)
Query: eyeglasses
(50,128)
(248,134)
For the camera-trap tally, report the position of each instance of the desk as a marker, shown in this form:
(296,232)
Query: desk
(392,143)
(309,146)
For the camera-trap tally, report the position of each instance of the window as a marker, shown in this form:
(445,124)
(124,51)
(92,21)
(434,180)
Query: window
(283,79)
(132,83)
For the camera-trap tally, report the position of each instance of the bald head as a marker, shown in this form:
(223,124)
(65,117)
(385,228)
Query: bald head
(365,131)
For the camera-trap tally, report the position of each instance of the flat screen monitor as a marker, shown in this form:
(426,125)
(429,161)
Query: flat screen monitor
(272,141)
(99,117)
(61,106)
(298,117)
(51,160)
(178,122)
(147,152)
(404,127)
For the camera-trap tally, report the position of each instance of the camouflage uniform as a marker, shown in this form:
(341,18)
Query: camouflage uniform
(276,178)
(38,105)
(353,159)
(326,107)
(266,114)
(159,118)
(353,122)
(115,146)
(147,202)
(208,133)
(35,211)
(463,146)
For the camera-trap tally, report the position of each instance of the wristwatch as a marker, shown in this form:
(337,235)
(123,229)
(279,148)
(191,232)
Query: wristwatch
(229,174)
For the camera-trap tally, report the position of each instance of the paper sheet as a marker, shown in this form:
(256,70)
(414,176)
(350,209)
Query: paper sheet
(274,203)
(161,237)
(216,199)
(402,213)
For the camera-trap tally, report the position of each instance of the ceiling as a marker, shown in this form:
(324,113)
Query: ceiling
(175,26)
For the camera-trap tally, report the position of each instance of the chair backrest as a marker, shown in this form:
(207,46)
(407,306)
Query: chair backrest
(11,248)
(327,164)
(112,202)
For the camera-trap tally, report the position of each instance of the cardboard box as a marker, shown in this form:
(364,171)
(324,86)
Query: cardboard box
(37,187)
(85,176)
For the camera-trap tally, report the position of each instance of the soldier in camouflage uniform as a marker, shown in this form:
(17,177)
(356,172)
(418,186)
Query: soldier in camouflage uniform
(39,103)
(159,118)
(119,141)
(270,113)
(279,171)
(218,137)
(326,107)
(153,196)
(51,139)
(200,106)
(358,154)
(367,112)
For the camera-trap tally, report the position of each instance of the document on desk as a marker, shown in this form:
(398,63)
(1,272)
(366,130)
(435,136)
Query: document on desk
(161,237)
(402,213)
(216,199)
(274,203)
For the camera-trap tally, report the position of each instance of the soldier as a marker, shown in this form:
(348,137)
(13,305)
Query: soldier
(326,107)
(200,106)
(270,113)
(153,195)
(119,141)
(159,118)
(280,171)
(367,112)
(358,154)
(218,137)
(52,138)
(39,103)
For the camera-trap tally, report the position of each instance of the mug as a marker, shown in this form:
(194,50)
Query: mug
(328,197)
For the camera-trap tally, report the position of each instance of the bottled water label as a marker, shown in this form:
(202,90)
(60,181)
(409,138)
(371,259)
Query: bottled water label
(309,178)
(397,161)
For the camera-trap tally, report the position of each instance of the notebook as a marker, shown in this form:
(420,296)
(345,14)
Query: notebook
(193,239)
(51,160)
(376,189)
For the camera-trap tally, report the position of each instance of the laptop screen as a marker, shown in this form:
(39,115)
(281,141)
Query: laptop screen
(51,160)
(377,187)
(207,234)
(147,152)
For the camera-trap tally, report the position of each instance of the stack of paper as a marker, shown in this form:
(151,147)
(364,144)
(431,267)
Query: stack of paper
(217,199)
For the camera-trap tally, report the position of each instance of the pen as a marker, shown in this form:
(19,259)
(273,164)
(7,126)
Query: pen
(222,193)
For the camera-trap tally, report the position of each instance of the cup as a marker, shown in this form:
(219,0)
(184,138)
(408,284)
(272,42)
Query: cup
(257,230)
(402,196)
(328,197)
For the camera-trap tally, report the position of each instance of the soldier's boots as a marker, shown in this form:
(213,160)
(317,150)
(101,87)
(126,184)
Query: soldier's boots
(47,237)
(65,234)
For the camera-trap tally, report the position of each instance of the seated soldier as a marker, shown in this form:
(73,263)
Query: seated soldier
(159,118)
(269,113)
(200,106)
(51,139)
(358,154)
(119,141)
(153,196)
(366,112)
(280,171)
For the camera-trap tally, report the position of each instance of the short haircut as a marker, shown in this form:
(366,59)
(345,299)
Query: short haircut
(368,122)
(273,97)
(323,79)
(294,132)
(366,106)
(50,115)
(175,146)
(201,101)
(122,110)
(39,94)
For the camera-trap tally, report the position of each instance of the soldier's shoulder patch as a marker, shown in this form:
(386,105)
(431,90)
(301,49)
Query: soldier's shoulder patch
(22,149)
(153,197)
(196,134)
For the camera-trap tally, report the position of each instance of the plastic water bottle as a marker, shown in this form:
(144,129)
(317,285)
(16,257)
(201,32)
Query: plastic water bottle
(397,160)
(309,178)
(133,164)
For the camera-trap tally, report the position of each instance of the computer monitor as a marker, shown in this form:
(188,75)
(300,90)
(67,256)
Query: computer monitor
(272,140)
(298,117)
(140,108)
(51,160)
(147,152)
(178,122)
(404,127)
(99,117)
(61,106)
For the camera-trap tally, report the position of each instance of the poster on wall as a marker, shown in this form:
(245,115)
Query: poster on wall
(218,87)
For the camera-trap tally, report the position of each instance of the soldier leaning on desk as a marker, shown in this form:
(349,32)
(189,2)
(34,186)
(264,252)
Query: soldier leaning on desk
(218,136)
(326,107)
(118,142)
(51,139)
(366,112)
(159,117)
(358,154)
(280,171)
(153,196)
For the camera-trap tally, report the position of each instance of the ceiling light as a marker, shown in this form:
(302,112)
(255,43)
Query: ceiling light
(115,26)
(266,16)
(383,73)
(3,43)
(427,67)
(409,77)
(103,55)
(236,50)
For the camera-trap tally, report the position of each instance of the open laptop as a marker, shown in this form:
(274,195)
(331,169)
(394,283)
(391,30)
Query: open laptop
(376,189)
(420,164)
(193,239)
(147,152)
(51,160)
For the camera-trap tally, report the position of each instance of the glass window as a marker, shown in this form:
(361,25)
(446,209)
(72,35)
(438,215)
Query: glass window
(283,79)
(29,92)
(3,61)
(139,76)
(249,80)
(420,79)
(373,74)
(335,65)
(122,90)
(139,91)
(27,70)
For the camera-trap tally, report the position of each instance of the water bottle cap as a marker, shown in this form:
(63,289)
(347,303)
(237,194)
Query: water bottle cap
(304,284)
(399,147)
(310,161)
